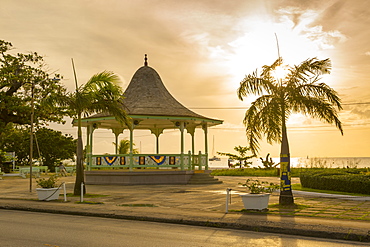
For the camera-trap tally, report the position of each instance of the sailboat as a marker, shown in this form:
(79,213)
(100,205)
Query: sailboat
(214,158)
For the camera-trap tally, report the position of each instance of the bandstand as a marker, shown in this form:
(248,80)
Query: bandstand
(150,106)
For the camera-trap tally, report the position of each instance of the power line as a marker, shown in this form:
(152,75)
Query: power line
(246,107)
(357,103)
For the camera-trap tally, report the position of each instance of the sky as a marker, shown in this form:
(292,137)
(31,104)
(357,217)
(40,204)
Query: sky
(202,49)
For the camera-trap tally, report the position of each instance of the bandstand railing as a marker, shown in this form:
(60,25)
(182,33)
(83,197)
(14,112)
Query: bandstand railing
(163,161)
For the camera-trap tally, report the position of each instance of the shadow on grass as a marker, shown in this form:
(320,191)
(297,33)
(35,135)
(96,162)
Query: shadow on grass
(89,202)
(275,209)
(137,205)
(86,195)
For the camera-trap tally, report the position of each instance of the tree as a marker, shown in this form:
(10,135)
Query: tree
(124,147)
(299,91)
(242,157)
(100,94)
(17,139)
(268,163)
(53,145)
(18,74)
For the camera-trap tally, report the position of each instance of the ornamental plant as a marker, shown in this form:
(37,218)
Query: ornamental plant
(48,183)
(258,187)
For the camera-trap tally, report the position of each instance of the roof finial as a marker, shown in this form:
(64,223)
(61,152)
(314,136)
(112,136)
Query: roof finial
(146,60)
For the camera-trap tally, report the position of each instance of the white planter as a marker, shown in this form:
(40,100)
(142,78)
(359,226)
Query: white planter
(48,194)
(256,201)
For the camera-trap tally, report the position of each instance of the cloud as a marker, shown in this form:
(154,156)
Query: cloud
(362,111)
(303,21)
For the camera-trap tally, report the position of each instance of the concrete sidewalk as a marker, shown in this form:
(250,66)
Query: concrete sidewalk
(338,217)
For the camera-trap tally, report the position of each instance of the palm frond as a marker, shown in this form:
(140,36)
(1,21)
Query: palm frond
(322,91)
(252,84)
(263,118)
(318,108)
(308,71)
(101,94)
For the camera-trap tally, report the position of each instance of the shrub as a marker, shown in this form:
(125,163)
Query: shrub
(51,182)
(345,180)
(257,187)
(246,172)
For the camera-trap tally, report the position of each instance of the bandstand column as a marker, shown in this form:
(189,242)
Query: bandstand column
(89,142)
(191,131)
(117,132)
(205,129)
(182,128)
(131,146)
(88,149)
(157,132)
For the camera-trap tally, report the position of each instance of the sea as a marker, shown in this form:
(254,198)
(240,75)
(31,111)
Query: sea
(305,162)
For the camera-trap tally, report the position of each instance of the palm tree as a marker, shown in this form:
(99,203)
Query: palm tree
(298,92)
(100,94)
(124,147)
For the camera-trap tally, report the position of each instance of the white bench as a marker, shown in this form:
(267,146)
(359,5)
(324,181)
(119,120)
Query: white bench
(23,171)
(69,169)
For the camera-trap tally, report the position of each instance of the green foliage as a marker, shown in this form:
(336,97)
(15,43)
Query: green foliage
(52,144)
(299,187)
(124,147)
(241,157)
(268,163)
(346,180)
(2,156)
(17,139)
(48,183)
(246,172)
(54,147)
(258,187)
(19,73)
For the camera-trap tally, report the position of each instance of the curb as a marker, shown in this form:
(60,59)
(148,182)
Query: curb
(319,231)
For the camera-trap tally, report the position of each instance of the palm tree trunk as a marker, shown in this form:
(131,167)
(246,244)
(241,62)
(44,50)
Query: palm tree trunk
(286,195)
(80,178)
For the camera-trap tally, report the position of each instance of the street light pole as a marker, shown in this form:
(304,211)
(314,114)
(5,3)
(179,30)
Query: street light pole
(31,134)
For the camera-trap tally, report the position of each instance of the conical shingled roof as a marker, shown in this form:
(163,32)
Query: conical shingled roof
(148,102)
(147,95)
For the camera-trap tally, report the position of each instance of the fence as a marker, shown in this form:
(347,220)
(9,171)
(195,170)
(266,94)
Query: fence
(162,161)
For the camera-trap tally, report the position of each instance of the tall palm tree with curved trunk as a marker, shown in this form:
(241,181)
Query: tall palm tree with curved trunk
(299,91)
(100,94)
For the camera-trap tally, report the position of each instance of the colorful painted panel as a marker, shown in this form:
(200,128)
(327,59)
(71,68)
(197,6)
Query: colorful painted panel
(172,160)
(159,160)
(98,161)
(122,161)
(110,159)
(141,160)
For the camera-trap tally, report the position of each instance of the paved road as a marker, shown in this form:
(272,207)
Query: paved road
(19,228)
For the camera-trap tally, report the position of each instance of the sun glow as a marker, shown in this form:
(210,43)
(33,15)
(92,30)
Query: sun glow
(256,45)
(281,72)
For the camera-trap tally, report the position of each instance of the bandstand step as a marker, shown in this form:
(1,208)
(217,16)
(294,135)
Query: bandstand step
(203,178)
